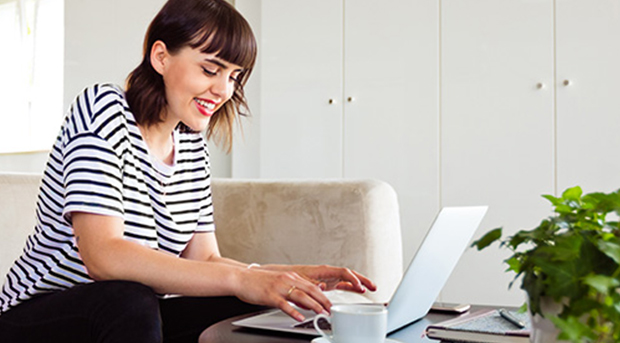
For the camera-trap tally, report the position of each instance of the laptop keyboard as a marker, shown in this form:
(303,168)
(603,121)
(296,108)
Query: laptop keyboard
(309,324)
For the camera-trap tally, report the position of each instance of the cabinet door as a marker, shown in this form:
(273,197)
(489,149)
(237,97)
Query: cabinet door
(588,69)
(391,127)
(497,128)
(299,71)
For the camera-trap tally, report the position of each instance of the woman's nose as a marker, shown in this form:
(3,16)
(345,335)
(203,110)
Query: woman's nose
(220,87)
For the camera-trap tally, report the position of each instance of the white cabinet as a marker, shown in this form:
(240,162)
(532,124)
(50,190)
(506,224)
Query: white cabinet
(391,128)
(497,126)
(347,89)
(300,44)
(529,107)
(453,102)
(588,93)
(294,130)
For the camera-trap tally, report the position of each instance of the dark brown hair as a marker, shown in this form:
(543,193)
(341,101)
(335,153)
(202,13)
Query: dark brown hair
(216,27)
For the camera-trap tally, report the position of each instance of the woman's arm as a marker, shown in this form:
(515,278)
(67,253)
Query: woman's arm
(108,256)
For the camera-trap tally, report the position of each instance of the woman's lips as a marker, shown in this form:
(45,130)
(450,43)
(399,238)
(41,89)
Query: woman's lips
(206,107)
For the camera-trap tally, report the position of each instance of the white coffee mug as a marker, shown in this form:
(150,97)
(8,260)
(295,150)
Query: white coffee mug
(355,324)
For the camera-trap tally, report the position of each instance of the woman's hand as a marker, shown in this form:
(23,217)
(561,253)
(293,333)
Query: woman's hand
(276,288)
(329,278)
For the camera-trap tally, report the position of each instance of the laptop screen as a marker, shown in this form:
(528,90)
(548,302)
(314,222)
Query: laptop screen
(429,270)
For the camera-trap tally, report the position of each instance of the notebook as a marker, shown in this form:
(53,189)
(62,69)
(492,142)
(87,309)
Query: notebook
(482,326)
(445,242)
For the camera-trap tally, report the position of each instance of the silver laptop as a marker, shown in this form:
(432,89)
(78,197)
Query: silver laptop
(426,275)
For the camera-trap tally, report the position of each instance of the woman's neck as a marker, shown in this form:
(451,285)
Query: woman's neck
(159,139)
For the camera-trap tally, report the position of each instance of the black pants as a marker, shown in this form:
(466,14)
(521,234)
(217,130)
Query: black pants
(115,311)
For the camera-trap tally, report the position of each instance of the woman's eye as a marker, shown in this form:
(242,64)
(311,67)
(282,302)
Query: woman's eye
(208,72)
(236,76)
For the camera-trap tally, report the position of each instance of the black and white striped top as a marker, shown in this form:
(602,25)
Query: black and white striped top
(101,164)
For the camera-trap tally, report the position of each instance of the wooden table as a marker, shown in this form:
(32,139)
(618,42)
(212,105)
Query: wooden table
(225,332)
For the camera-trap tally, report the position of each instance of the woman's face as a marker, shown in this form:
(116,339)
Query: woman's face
(197,85)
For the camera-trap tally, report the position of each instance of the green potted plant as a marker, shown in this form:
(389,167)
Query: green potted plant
(571,259)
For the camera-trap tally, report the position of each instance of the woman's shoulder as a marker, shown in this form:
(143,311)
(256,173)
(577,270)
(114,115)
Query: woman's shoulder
(99,110)
(108,91)
(96,91)
(97,97)
(101,104)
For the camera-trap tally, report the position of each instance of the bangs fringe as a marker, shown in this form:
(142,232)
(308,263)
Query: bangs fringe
(232,41)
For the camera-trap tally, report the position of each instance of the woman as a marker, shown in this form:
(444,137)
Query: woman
(125,202)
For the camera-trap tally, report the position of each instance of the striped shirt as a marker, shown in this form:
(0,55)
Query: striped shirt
(101,164)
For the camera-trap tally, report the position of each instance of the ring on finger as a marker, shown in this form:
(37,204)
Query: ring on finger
(288,294)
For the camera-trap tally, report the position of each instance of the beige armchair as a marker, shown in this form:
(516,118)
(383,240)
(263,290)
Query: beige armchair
(351,223)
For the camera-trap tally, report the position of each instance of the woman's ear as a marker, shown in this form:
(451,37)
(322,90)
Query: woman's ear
(159,54)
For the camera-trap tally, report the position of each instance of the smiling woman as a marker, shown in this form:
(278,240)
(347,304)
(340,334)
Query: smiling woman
(31,37)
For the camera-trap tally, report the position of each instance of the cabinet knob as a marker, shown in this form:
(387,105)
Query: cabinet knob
(350,99)
(566,82)
(540,85)
(332,101)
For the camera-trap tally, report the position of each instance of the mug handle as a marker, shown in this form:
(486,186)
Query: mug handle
(316,326)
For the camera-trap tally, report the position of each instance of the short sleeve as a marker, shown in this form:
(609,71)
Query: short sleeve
(205,219)
(92,175)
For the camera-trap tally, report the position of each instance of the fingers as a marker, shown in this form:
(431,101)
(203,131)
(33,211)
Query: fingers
(290,287)
(349,280)
(340,278)
(351,277)
(366,282)
(291,311)
(347,286)
(355,282)
(290,291)
(308,296)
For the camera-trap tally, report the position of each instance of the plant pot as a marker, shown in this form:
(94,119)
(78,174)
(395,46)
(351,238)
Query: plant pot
(543,330)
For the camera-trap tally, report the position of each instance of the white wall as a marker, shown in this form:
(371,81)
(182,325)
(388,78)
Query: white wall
(103,43)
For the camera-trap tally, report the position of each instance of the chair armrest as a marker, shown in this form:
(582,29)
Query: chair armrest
(18,195)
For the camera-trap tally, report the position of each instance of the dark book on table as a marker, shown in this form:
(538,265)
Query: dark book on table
(482,326)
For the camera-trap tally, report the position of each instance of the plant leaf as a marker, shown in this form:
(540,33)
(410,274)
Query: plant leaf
(573,193)
(540,233)
(555,201)
(601,283)
(566,248)
(561,277)
(583,305)
(513,264)
(488,238)
(563,209)
(602,202)
(611,249)
(571,329)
